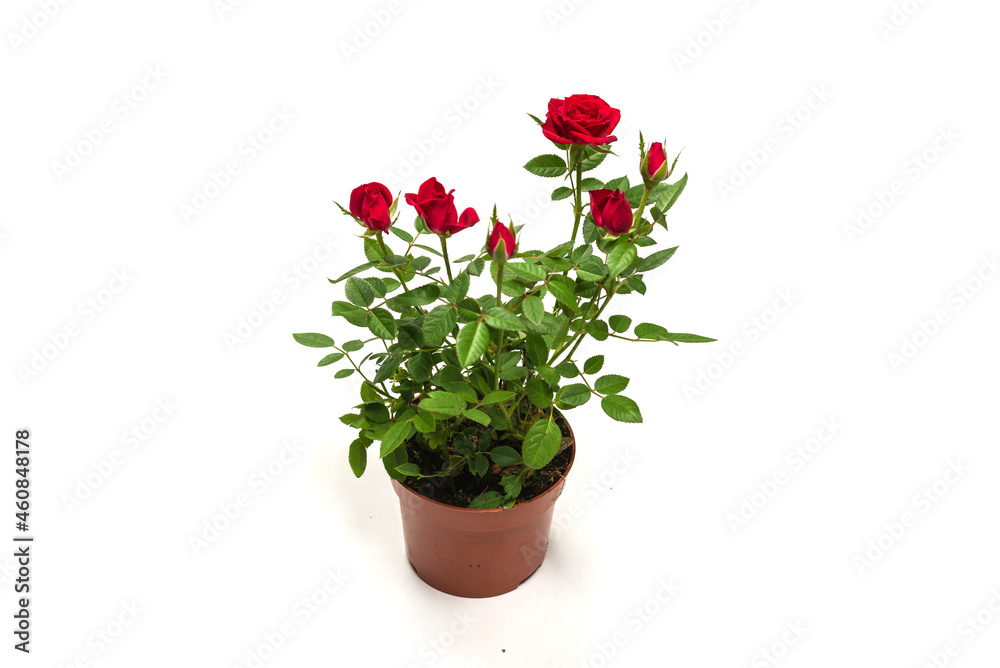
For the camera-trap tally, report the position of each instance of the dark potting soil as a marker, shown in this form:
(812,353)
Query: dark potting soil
(469,486)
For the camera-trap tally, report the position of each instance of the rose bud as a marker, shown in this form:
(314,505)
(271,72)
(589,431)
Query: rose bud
(501,242)
(581,119)
(370,204)
(437,208)
(611,211)
(654,166)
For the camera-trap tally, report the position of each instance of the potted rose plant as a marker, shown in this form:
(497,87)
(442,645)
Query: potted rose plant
(465,391)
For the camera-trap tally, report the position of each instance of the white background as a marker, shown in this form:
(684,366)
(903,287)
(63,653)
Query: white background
(656,501)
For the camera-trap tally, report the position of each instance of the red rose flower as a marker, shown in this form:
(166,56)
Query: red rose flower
(581,119)
(502,235)
(437,208)
(370,204)
(611,210)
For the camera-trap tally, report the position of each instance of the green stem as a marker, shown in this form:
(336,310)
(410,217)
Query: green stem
(577,157)
(642,206)
(385,250)
(447,264)
(500,334)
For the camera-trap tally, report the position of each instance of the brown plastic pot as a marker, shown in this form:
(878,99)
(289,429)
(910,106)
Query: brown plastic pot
(477,553)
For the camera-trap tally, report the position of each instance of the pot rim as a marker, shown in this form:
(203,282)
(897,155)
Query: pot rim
(562,481)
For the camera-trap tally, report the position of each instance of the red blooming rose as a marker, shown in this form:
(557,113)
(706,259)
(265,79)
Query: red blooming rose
(502,238)
(370,204)
(611,210)
(581,119)
(437,208)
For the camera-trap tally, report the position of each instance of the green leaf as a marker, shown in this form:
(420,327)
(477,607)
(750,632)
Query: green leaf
(683,338)
(395,260)
(497,397)
(534,309)
(597,329)
(593,365)
(394,437)
(475,267)
(396,458)
(634,282)
(477,415)
(576,394)
(402,234)
(550,376)
(539,393)
(486,501)
(562,288)
(529,272)
(538,352)
(421,296)
(356,270)
(620,323)
(611,384)
(376,413)
(618,184)
(567,369)
(621,256)
(378,285)
(353,314)
(581,253)
(372,251)
(505,456)
(359,292)
(388,367)
(501,318)
(343,373)
(314,340)
(592,161)
(409,469)
(357,455)
(420,367)
(621,409)
(352,346)
(546,165)
(634,195)
(592,269)
(670,194)
(479,465)
(330,359)
(472,341)
(511,485)
(439,323)
(381,323)
(656,259)
(420,263)
(410,337)
(541,443)
(648,330)
(424,422)
(458,289)
(369,394)
(443,403)
(591,184)
(433,251)
(562,192)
